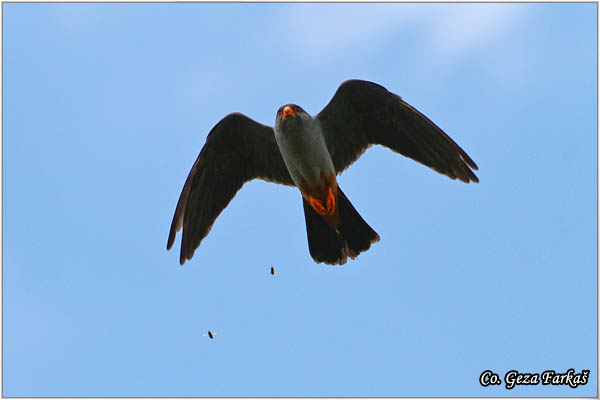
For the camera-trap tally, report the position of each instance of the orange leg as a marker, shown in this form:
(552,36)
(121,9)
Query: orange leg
(322,198)
(330,201)
(317,205)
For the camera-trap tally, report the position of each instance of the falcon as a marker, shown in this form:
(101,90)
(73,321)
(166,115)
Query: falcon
(309,152)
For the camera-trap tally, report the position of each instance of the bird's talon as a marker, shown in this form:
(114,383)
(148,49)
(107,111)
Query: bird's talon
(317,205)
(330,203)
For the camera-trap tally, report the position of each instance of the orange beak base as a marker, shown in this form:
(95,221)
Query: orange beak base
(287,111)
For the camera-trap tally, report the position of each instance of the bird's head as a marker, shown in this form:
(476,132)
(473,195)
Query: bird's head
(292,117)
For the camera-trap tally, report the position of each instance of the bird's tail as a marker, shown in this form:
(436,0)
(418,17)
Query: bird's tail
(333,246)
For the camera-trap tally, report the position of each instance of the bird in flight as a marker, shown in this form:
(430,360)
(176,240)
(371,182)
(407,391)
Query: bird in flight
(272,270)
(209,334)
(309,152)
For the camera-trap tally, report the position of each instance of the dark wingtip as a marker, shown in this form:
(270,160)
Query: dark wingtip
(181,256)
(465,157)
(471,176)
(171,240)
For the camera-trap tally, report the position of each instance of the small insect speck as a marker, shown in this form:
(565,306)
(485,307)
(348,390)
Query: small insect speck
(209,334)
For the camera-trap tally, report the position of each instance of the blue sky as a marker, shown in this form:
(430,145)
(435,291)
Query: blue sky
(106,107)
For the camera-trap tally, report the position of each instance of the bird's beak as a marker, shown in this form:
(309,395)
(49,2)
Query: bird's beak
(287,111)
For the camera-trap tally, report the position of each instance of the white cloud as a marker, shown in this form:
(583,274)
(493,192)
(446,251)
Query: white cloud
(447,32)
(465,27)
(330,29)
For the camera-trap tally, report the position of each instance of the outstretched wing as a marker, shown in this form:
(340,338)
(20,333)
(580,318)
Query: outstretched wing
(363,113)
(237,149)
